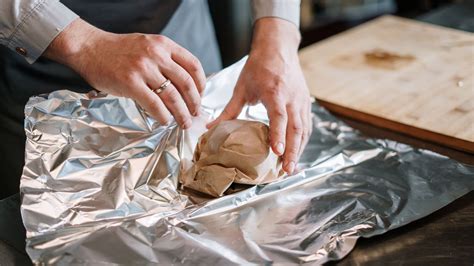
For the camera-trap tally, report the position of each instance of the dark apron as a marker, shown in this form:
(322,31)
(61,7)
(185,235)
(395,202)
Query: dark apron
(186,22)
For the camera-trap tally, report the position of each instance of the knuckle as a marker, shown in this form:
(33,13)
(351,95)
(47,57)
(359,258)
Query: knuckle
(195,64)
(188,84)
(158,47)
(278,83)
(297,129)
(140,63)
(129,78)
(146,40)
(278,112)
(304,132)
(140,37)
(154,106)
(195,103)
(161,39)
(275,94)
(227,112)
(171,97)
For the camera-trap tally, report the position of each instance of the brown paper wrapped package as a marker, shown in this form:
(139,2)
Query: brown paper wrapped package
(232,151)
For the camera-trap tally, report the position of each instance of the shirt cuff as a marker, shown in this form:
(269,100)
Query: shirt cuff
(39,27)
(284,9)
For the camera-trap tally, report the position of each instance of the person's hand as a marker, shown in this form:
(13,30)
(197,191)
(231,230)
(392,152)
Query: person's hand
(132,65)
(272,75)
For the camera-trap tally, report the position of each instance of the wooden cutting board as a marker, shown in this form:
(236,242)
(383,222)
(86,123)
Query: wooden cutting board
(399,74)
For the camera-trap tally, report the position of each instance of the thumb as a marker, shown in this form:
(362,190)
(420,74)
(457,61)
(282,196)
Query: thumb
(231,110)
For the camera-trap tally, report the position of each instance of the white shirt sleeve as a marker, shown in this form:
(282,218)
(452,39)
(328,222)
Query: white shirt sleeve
(284,9)
(29,26)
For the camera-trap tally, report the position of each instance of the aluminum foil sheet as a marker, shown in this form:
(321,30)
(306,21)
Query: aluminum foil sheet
(100,187)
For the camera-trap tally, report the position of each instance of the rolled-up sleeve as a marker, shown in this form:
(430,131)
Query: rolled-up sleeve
(284,9)
(29,26)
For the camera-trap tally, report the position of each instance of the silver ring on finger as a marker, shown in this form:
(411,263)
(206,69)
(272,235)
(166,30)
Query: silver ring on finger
(162,87)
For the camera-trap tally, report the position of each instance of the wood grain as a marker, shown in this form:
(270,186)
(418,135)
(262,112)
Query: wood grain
(400,74)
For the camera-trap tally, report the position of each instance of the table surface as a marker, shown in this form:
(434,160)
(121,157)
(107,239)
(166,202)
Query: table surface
(400,74)
(445,237)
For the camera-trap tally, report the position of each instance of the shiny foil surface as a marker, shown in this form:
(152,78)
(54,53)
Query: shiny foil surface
(100,187)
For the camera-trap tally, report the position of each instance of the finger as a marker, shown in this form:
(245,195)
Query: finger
(306,130)
(231,111)
(185,85)
(175,104)
(310,118)
(152,104)
(309,122)
(191,64)
(293,139)
(278,124)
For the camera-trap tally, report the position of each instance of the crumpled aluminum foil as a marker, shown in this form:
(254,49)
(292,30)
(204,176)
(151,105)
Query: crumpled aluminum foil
(100,186)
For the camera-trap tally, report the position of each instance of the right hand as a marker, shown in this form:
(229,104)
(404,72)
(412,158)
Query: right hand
(132,65)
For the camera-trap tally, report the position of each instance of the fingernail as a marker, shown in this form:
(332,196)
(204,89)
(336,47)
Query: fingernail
(197,112)
(187,124)
(211,124)
(280,148)
(291,167)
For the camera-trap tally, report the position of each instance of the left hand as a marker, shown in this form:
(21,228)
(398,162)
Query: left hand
(272,75)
